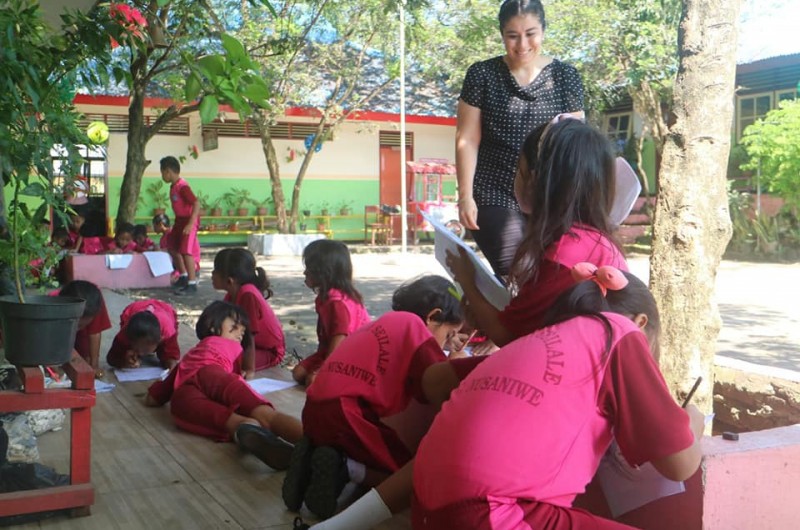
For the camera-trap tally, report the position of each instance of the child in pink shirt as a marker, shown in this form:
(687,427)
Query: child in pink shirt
(183,236)
(123,242)
(373,374)
(247,286)
(211,398)
(143,243)
(586,377)
(146,326)
(340,310)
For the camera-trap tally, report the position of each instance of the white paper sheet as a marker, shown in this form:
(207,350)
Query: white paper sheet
(160,263)
(118,261)
(627,488)
(265,385)
(102,386)
(626,192)
(144,373)
(487,283)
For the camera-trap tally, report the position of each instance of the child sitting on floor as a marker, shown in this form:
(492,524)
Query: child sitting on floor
(211,398)
(339,306)
(146,326)
(143,243)
(247,286)
(373,374)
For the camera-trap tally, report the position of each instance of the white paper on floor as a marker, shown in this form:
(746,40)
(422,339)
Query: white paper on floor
(266,385)
(145,373)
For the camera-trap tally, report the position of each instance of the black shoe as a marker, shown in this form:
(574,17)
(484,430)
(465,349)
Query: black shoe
(264,445)
(298,524)
(189,289)
(181,282)
(297,476)
(328,478)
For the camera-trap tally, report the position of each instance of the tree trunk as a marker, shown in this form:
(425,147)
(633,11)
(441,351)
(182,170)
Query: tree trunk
(135,161)
(692,224)
(278,198)
(301,173)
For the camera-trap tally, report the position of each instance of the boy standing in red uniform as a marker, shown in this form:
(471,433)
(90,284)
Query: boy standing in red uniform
(183,236)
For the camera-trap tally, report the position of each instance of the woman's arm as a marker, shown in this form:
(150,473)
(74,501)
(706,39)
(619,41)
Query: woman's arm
(468,138)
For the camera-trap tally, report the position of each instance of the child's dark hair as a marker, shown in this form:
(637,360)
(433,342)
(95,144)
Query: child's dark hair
(586,299)
(568,169)
(60,232)
(210,321)
(328,264)
(143,326)
(161,219)
(139,231)
(124,228)
(426,293)
(240,265)
(86,290)
(170,162)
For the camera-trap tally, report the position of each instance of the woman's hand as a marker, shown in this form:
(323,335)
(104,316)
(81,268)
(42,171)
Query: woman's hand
(461,267)
(468,213)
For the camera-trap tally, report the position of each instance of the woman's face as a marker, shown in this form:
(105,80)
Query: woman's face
(522,38)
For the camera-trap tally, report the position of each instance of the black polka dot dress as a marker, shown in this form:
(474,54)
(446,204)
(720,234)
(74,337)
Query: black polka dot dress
(509,113)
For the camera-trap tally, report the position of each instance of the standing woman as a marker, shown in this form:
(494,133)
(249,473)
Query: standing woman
(502,100)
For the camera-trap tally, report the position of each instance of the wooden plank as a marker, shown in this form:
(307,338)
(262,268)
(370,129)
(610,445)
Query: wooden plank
(57,498)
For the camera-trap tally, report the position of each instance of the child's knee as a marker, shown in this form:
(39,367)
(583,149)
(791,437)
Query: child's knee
(299,374)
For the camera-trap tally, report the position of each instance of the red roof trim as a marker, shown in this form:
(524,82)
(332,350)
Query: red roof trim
(124,101)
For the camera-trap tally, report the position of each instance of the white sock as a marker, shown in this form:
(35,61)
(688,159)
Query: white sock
(185,275)
(356,471)
(192,282)
(365,513)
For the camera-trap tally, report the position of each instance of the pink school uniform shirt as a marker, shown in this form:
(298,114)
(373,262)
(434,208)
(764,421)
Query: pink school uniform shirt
(381,364)
(338,314)
(165,313)
(147,246)
(110,244)
(211,350)
(533,421)
(182,198)
(264,325)
(525,312)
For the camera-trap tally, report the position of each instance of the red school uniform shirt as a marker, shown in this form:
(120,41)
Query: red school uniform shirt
(526,311)
(557,398)
(168,347)
(98,324)
(182,198)
(338,314)
(211,350)
(381,364)
(147,246)
(264,325)
(110,244)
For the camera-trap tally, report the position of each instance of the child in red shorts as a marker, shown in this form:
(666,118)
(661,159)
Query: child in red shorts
(183,236)
(146,326)
(340,310)
(91,324)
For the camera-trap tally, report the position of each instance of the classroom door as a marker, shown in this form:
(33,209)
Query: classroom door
(390,174)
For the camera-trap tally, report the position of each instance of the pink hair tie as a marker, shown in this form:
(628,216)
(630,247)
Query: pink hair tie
(606,277)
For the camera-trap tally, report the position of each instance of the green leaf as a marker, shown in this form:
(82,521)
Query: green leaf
(34,189)
(212,65)
(192,87)
(162,3)
(257,93)
(209,108)
(236,51)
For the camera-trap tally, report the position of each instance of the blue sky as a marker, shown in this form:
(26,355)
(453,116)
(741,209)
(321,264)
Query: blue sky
(768,28)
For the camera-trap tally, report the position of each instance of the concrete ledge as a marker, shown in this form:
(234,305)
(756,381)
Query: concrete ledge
(93,268)
(280,244)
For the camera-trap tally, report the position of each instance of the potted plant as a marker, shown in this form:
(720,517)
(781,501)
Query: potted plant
(345,207)
(237,200)
(307,212)
(39,119)
(159,197)
(262,207)
(325,208)
(205,203)
(216,209)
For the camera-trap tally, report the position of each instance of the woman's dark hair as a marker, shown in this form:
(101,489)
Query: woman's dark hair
(139,230)
(161,219)
(514,8)
(211,319)
(86,290)
(170,162)
(328,264)
(124,228)
(569,181)
(143,326)
(426,293)
(586,299)
(240,264)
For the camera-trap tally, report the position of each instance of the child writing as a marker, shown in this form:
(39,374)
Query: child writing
(146,326)
(565,183)
(247,286)
(91,324)
(373,374)
(566,389)
(339,306)
(143,243)
(123,242)
(183,236)
(210,398)
(570,387)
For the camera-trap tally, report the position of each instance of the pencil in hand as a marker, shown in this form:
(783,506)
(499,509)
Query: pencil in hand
(692,391)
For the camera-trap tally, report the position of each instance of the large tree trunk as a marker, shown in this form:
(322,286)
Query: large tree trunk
(268,148)
(135,161)
(692,225)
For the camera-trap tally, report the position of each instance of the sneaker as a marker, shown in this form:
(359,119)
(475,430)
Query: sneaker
(328,478)
(189,289)
(264,445)
(297,476)
(181,282)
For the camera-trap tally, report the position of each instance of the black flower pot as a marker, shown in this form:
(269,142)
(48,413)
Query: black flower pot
(40,331)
